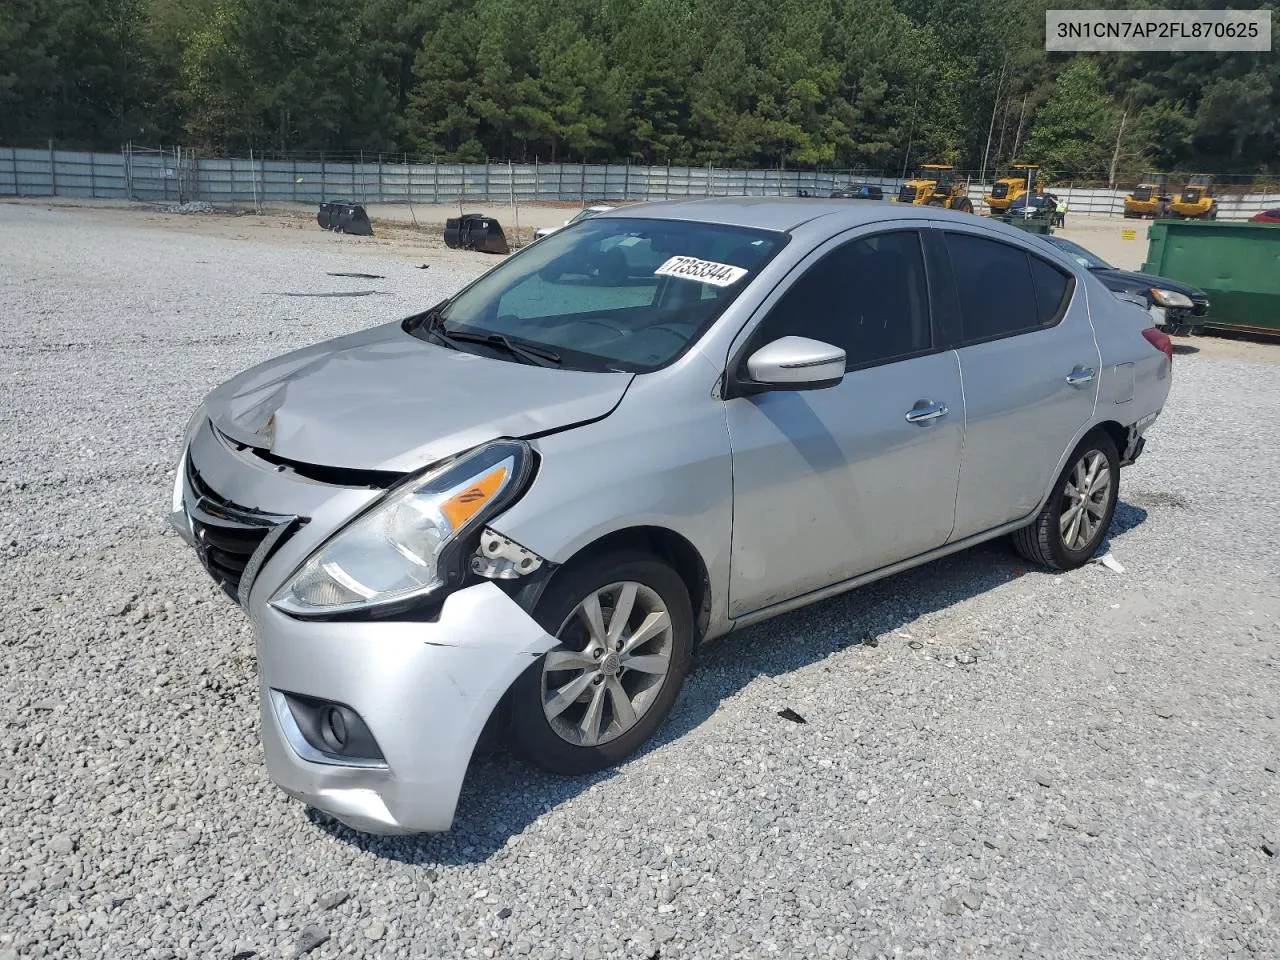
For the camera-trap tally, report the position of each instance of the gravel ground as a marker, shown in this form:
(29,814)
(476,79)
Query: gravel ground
(996,762)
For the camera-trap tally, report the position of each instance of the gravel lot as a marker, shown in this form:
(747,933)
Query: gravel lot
(997,762)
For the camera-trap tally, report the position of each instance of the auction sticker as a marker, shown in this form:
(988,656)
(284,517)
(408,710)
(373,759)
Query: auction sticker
(704,271)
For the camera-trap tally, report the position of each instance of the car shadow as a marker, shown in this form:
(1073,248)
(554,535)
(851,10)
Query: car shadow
(503,794)
(1184,349)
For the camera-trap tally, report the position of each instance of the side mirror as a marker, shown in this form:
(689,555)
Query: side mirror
(795,363)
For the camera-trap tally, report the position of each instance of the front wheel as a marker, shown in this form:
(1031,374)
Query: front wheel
(964,205)
(625,626)
(1075,520)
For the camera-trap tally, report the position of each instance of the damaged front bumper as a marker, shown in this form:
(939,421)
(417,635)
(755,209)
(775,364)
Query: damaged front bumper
(370,720)
(1179,321)
(423,690)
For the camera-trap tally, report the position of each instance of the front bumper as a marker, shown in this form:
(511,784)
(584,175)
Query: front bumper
(423,688)
(1179,321)
(425,691)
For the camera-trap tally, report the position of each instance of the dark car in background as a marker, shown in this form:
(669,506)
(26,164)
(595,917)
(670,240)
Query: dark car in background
(1176,307)
(858,191)
(1031,205)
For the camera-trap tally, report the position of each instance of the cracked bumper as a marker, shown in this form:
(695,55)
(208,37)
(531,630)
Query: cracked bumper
(425,690)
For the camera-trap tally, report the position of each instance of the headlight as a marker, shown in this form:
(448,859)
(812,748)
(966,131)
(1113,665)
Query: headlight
(399,548)
(1170,298)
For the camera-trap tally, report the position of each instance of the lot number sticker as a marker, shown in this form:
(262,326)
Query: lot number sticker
(704,271)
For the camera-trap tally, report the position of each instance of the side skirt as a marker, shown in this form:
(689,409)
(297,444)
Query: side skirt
(843,586)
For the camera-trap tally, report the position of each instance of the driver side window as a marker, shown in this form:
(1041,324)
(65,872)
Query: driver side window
(868,296)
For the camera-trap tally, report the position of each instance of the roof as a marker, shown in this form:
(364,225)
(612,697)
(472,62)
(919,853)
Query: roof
(780,214)
(787,214)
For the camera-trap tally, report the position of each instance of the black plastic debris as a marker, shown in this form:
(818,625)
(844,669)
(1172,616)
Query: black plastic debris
(343,217)
(475,231)
(353,220)
(786,713)
(360,276)
(336,293)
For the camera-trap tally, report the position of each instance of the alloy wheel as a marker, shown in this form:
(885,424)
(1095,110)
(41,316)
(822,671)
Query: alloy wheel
(1084,500)
(615,654)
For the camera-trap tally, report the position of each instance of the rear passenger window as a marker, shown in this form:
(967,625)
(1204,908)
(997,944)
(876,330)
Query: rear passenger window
(868,297)
(996,289)
(1053,290)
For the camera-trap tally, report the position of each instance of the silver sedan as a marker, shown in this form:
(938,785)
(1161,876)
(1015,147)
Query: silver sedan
(532,501)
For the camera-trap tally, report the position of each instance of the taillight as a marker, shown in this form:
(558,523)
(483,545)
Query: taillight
(1160,340)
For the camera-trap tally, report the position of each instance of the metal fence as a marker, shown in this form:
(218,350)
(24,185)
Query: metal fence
(174,174)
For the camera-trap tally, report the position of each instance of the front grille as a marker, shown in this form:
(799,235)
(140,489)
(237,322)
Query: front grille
(1142,193)
(1190,196)
(1200,308)
(228,535)
(1000,191)
(906,194)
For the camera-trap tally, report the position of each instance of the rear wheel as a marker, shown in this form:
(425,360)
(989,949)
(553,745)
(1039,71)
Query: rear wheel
(964,205)
(625,626)
(1074,521)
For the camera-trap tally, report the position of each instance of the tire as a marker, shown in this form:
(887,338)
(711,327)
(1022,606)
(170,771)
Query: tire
(964,205)
(562,742)
(1043,541)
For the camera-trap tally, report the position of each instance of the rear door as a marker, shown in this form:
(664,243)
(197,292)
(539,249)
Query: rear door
(1030,366)
(832,483)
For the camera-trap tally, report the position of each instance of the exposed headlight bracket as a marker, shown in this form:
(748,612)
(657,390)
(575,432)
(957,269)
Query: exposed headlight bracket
(499,558)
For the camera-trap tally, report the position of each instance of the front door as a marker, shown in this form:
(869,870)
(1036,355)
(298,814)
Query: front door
(829,484)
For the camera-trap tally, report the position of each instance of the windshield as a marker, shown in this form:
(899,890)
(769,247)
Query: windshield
(613,293)
(1081,255)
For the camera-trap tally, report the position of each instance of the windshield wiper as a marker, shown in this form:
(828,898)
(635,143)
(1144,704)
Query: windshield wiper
(525,352)
(429,319)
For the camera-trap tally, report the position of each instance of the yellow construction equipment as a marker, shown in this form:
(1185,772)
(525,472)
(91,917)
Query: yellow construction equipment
(935,185)
(1196,201)
(1008,189)
(1150,198)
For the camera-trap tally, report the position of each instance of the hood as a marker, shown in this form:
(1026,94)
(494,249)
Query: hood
(384,400)
(1128,280)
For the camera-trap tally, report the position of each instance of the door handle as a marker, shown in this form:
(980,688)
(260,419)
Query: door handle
(1080,375)
(926,410)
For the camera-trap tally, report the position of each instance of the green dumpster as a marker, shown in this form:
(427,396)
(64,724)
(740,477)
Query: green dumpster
(1037,225)
(1236,264)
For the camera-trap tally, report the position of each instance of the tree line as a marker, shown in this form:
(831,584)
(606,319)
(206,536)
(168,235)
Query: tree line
(879,84)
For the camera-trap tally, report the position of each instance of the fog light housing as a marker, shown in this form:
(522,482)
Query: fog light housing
(324,731)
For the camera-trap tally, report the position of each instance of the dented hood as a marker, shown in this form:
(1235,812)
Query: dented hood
(384,400)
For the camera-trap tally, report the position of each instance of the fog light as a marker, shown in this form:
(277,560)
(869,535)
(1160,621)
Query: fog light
(336,729)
